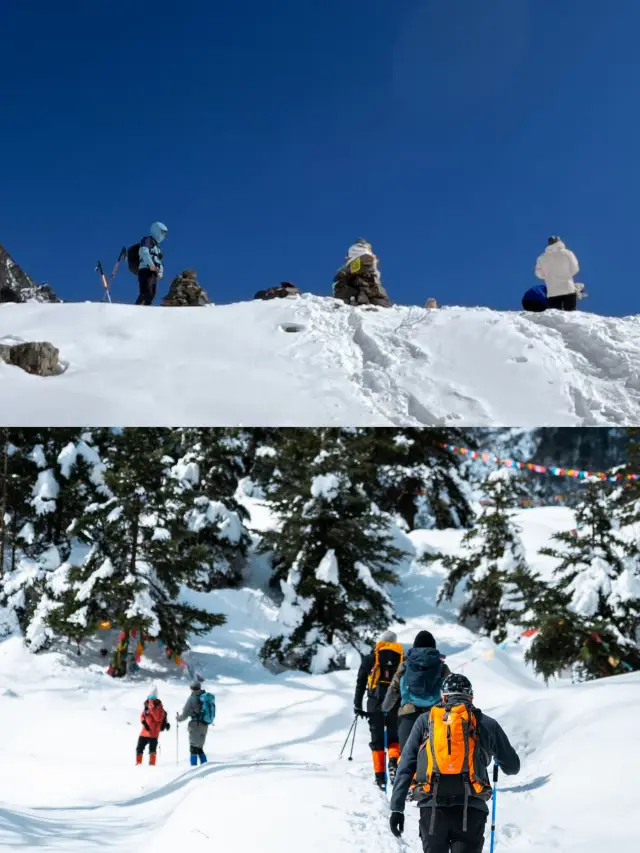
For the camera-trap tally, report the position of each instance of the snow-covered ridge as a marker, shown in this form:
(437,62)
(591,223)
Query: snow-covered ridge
(312,361)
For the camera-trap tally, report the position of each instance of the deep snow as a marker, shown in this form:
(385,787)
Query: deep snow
(312,361)
(274,782)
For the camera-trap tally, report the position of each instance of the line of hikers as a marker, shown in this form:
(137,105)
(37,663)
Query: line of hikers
(431,741)
(200,710)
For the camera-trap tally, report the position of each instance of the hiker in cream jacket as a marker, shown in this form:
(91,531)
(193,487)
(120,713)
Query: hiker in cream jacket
(556,267)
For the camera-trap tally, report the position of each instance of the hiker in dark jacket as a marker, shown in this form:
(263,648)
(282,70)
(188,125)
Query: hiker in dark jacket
(151,269)
(416,684)
(442,823)
(378,720)
(197,729)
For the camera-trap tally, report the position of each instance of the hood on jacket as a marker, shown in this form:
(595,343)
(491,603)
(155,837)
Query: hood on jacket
(555,247)
(158,231)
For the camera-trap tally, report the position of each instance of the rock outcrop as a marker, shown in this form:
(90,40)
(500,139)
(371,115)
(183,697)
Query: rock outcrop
(14,279)
(285,289)
(39,358)
(185,292)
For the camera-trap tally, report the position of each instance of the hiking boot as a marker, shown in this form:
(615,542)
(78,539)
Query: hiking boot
(393,769)
(138,759)
(381,781)
(152,759)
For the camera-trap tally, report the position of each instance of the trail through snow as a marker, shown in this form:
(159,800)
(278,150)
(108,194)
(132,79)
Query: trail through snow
(312,361)
(274,782)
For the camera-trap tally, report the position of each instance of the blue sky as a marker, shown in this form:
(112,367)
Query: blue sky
(455,135)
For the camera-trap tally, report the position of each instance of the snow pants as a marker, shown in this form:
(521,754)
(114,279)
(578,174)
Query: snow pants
(197,737)
(143,741)
(448,836)
(405,725)
(568,302)
(148,284)
(377,723)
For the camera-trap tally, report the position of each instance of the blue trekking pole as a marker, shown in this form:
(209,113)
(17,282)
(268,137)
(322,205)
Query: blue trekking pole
(493,808)
(386,738)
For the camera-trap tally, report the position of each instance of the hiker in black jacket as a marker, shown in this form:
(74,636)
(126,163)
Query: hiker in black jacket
(447,825)
(374,676)
(416,686)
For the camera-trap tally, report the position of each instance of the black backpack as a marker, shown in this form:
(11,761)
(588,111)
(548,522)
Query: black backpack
(133,259)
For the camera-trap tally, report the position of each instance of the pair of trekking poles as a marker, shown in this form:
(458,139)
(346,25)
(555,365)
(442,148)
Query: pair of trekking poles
(103,276)
(352,735)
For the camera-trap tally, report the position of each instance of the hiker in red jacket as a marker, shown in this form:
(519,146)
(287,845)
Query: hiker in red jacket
(154,720)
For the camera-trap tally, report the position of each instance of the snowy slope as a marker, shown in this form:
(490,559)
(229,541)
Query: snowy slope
(274,783)
(236,364)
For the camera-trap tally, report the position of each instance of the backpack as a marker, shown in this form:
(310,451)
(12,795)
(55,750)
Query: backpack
(387,657)
(208,709)
(422,678)
(133,258)
(445,766)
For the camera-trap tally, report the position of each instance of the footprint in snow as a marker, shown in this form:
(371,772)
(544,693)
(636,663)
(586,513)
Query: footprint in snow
(292,327)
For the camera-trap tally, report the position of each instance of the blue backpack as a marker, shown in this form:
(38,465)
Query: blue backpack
(208,710)
(422,678)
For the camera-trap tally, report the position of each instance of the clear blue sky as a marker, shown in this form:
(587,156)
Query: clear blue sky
(455,135)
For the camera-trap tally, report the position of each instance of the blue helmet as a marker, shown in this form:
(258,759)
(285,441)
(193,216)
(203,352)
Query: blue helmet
(158,231)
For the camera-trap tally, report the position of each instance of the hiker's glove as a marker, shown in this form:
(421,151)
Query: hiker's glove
(167,726)
(360,713)
(396,822)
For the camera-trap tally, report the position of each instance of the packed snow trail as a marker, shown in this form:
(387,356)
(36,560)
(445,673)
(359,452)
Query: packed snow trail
(274,782)
(313,361)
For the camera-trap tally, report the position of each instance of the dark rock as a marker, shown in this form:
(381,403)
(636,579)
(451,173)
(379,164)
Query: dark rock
(35,357)
(185,292)
(285,289)
(17,281)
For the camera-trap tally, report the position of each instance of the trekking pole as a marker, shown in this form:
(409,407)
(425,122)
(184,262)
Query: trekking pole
(386,746)
(177,743)
(353,739)
(493,807)
(344,746)
(121,257)
(103,278)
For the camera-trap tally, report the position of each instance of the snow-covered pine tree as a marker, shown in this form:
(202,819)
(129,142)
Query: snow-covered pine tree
(492,562)
(589,619)
(140,550)
(337,550)
(209,470)
(415,476)
(50,473)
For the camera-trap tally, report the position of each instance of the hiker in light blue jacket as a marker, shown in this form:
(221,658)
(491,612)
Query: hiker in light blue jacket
(150,266)
(416,684)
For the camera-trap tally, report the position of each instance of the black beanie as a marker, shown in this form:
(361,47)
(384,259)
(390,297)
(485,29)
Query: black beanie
(424,640)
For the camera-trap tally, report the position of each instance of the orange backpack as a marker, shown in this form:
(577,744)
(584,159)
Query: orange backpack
(446,760)
(387,657)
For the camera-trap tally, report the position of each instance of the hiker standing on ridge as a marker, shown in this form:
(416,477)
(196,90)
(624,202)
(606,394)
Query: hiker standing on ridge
(449,751)
(200,710)
(154,721)
(374,677)
(416,685)
(145,261)
(358,282)
(556,267)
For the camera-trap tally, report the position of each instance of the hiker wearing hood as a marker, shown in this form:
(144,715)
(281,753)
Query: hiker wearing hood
(416,685)
(197,729)
(154,721)
(358,282)
(150,267)
(556,267)
(374,677)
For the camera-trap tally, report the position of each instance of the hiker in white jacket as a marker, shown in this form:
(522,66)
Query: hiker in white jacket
(557,267)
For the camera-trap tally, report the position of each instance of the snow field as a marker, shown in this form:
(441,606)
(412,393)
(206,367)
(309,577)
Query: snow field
(313,361)
(274,782)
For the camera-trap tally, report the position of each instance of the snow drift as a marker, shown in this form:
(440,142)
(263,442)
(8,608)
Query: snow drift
(274,782)
(313,361)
